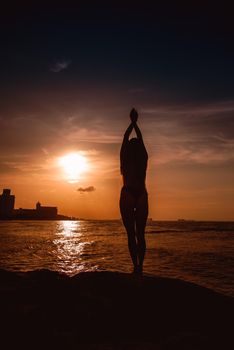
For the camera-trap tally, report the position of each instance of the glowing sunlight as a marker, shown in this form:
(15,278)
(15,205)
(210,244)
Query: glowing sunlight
(74,165)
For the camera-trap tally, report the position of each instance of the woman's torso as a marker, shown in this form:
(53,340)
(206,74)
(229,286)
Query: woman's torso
(134,172)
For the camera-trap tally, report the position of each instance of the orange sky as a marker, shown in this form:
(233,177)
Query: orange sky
(190,168)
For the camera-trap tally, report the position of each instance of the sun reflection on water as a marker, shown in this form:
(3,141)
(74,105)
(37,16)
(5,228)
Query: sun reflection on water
(68,228)
(70,247)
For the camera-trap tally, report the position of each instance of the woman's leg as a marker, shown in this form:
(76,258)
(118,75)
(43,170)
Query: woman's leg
(141,219)
(127,209)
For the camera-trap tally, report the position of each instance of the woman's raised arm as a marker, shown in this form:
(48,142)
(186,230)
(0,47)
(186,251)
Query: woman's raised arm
(126,136)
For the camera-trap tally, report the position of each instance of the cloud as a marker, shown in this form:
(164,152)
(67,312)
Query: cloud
(60,65)
(8,168)
(201,134)
(185,111)
(41,127)
(86,189)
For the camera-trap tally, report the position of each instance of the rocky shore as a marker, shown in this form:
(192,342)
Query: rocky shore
(111,310)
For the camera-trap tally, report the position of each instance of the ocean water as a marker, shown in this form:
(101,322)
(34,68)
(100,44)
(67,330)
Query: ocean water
(199,252)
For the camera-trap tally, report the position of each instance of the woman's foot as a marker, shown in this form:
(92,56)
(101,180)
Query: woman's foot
(138,270)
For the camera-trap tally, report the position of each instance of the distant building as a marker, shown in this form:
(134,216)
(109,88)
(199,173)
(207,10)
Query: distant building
(39,213)
(45,212)
(7,211)
(7,203)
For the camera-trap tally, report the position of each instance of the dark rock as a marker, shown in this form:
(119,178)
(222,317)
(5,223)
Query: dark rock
(45,309)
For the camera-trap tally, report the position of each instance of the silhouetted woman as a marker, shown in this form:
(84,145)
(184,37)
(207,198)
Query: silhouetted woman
(134,197)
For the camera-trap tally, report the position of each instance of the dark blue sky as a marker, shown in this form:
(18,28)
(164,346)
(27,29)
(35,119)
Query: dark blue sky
(186,52)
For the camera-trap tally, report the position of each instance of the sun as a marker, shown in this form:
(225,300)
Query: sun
(73,164)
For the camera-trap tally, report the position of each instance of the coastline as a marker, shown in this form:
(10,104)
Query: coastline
(111,310)
(59,217)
